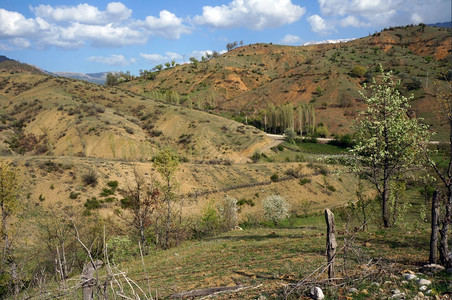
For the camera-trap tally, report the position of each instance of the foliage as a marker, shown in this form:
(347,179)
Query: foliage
(358,71)
(227,211)
(275,209)
(388,143)
(274,177)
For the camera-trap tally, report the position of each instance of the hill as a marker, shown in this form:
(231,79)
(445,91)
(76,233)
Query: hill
(11,65)
(248,82)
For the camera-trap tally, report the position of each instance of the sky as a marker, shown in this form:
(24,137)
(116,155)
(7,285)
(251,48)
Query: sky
(95,36)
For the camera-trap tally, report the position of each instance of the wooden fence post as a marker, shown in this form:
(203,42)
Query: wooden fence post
(88,280)
(331,243)
(435,228)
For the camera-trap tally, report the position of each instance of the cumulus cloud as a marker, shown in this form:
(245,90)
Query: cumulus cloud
(158,58)
(251,14)
(167,25)
(352,21)
(84,24)
(290,39)
(113,60)
(318,24)
(385,12)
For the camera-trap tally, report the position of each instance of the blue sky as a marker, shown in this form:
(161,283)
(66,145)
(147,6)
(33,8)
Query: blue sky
(95,35)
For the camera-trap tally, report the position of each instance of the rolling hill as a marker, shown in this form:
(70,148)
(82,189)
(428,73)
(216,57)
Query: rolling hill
(249,81)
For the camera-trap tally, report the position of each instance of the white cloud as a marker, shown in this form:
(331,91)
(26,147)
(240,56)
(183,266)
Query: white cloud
(318,24)
(352,21)
(290,39)
(113,60)
(253,14)
(13,24)
(158,58)
(385,12)
(84,24)
(167,25)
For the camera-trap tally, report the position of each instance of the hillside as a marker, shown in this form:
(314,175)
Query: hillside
(11,65)
(250,80)
(46,115)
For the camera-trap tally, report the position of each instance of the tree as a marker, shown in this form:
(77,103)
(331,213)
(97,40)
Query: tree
(111,79)
(275,208)
(387,141)
(141,200)
(444,97)
(358,71)
(9,204)
(167,162)
(195,62)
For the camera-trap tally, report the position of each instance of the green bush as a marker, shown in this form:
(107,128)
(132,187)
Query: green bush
(73,195)
(90,179)
(92,203)
(358,71)
(274,177)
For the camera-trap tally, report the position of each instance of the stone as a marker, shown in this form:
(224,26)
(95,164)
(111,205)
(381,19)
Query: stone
(376,284)
(317,293)
(365,292)
(353,290)
(424,282)
(398,296)
(387,282)
(409,276)
(423,288)
(396,291)
(432,268)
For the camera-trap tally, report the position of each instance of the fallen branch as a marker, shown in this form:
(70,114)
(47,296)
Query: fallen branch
(205,292)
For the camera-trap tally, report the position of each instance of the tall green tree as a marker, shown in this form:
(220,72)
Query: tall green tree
(167,162)
(388,143)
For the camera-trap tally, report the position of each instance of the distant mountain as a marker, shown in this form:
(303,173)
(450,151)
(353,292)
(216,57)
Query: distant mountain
(4,58)
(443,24)
(98,78)
(327,42)
(11,65)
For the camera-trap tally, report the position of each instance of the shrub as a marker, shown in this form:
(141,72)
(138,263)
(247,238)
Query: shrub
(228,213)
(92,203)
(89,179)
(358,71)
(274,177)
(303,181)
(275,209)
(73,195)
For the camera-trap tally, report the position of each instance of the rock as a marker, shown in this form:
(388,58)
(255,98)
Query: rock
(392,276)
(365,292)
(387,282)
(262,297)
(396,291)
(376,284)
(317,293)
(404,282)
(424,282)
(409,276)
(398,296)
(353,290)
(423,288)
(432,268)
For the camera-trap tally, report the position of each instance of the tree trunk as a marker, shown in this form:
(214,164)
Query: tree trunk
(435,223)
(331,243)
(385,199)
(445,255)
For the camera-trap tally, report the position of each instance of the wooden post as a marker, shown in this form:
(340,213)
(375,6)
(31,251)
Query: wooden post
(435,228)
(331,243)
(88,280)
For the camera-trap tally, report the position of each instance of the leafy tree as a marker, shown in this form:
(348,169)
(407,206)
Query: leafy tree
(195,62)
(275,208)
(111,79)
(387,141)
(168,65)
(158,67)
(167,162)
